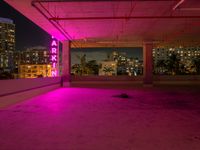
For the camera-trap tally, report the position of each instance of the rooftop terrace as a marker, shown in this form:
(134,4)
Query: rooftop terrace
(163,118)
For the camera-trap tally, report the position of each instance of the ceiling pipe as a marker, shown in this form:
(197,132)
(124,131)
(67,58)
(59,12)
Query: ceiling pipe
(124,17)
(178,4)
(48,12)
(56,25)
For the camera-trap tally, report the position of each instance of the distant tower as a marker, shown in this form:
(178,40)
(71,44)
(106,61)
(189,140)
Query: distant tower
(115,55)
(7,44)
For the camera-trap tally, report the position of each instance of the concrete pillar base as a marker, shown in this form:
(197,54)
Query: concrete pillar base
(66,67)
(148,63)
(66,84)
(65,81)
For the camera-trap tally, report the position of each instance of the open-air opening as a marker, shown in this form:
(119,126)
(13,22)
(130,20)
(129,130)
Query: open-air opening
(177,60)
(106,61)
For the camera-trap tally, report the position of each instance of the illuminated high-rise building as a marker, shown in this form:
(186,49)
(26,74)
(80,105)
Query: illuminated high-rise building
(7,44)
(35,55)
(185,56)
(34,70)
(34,62)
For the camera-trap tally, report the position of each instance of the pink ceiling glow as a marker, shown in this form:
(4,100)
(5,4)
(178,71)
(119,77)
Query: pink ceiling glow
(54,53)
(116,21)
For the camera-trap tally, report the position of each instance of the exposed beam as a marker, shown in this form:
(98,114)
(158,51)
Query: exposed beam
(178,4)
(124,17)
(55,24)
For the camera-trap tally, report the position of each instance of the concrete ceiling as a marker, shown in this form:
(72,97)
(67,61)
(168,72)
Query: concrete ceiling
(116,23)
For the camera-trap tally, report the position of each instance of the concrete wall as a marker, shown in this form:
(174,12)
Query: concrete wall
(14,91)
(157,78)
(19,85)
(177,79)
(106,78)
(117,80)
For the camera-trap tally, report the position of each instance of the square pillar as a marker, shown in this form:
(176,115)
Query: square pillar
(66,64)
(148,63)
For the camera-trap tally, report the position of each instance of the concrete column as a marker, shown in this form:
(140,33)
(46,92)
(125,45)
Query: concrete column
(66,63)
(148,63)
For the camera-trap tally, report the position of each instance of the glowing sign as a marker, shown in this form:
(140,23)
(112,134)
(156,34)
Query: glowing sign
(54,57)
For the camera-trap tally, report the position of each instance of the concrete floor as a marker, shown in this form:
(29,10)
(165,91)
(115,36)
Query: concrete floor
(96,119)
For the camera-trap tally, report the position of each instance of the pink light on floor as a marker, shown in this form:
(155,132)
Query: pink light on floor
(164,118)
(54,57)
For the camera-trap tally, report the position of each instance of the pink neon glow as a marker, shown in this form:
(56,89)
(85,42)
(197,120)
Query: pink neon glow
(54,73)
(54,50)
(54,46)
(54,65)
(53,58)
(54,43)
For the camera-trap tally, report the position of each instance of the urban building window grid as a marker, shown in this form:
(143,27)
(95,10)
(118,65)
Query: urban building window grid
(7,47)
(177,61)
(29,63)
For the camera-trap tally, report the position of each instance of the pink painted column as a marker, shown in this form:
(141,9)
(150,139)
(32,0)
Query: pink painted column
(148,63)
(66,61)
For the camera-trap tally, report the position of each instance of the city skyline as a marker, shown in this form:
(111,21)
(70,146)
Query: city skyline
(100,54)
(28,34)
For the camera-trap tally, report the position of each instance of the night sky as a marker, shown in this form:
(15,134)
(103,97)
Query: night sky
(27,33)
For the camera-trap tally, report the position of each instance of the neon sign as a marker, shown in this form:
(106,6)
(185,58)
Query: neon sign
(54,57)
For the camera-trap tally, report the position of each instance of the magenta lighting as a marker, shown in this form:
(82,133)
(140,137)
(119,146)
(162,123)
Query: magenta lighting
(54,57)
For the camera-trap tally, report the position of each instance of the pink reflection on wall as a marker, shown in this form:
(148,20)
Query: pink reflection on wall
(54,57)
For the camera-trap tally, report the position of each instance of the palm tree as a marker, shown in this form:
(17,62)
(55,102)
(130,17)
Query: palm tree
(76,69)
(161,65)
(93,67)
(173,63)
(196,63)
(107,69)
(82,59)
